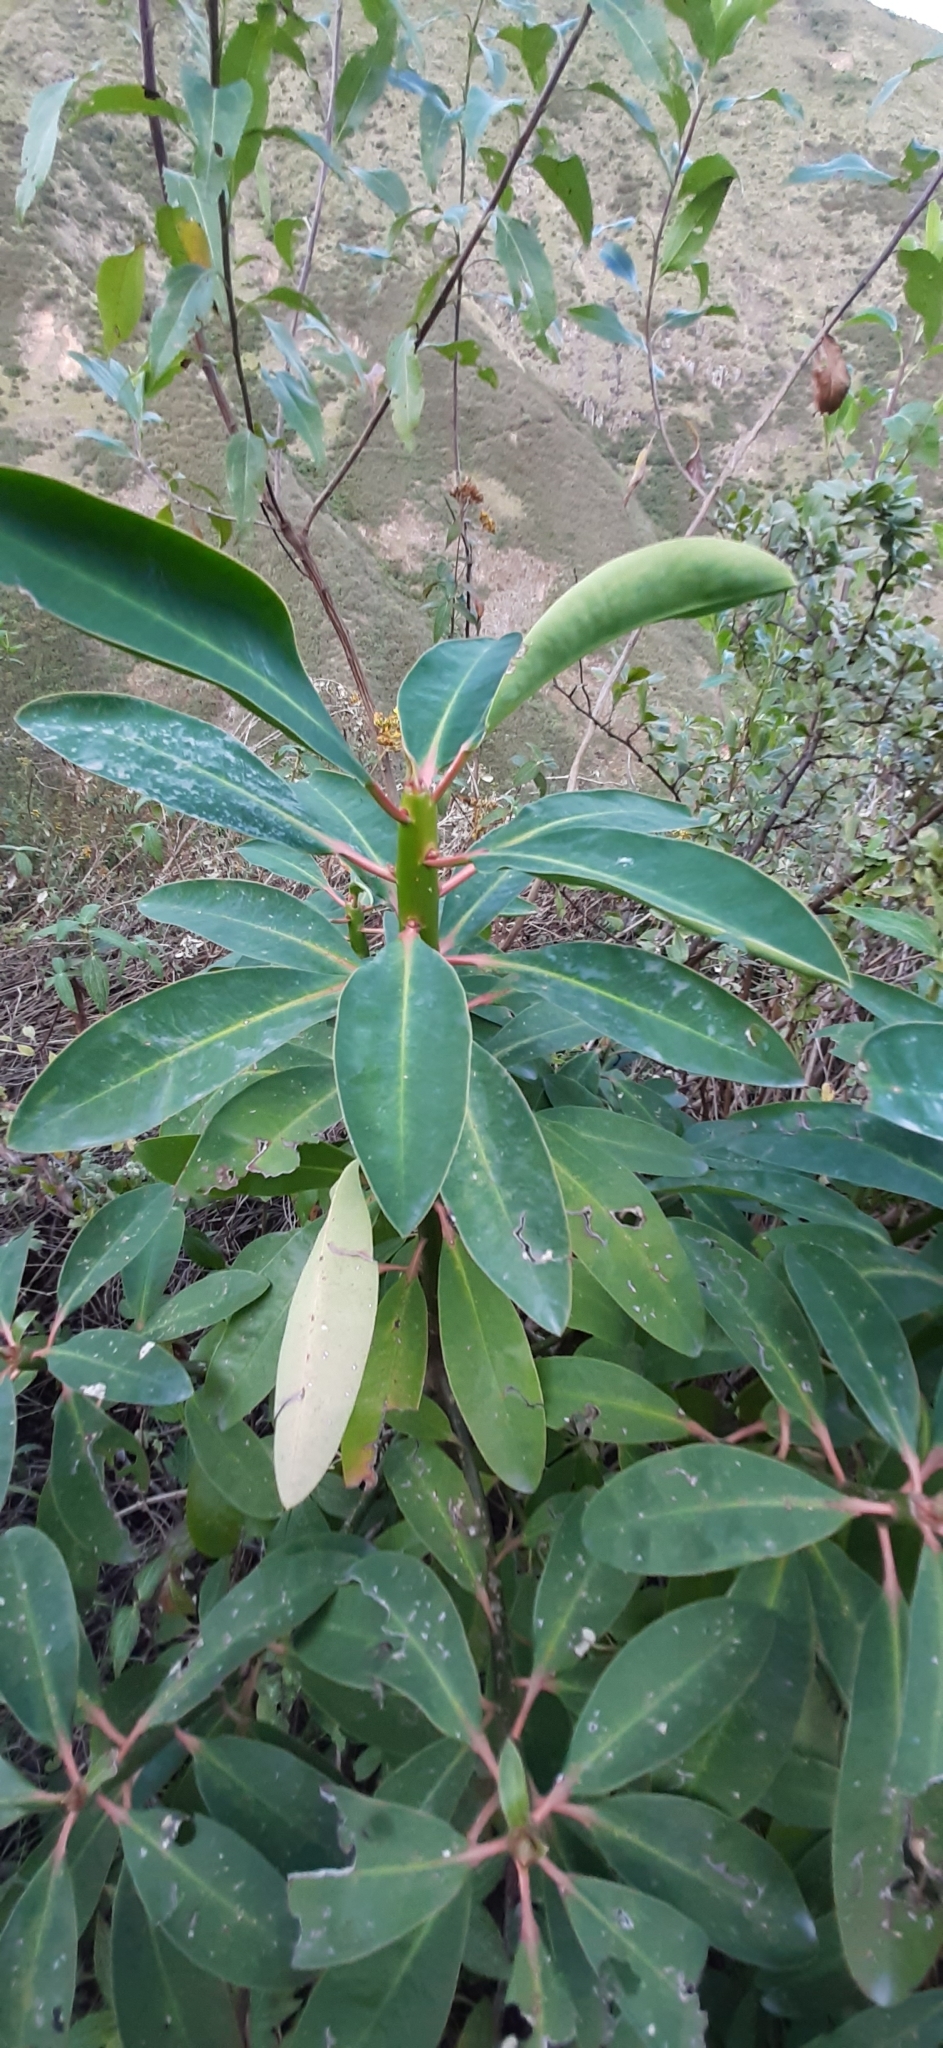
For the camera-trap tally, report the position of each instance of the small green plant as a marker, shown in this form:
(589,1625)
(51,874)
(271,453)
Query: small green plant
(560,1591)
(84,965)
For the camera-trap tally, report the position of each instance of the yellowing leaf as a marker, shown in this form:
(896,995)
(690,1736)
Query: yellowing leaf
(194,243)
(327,1338)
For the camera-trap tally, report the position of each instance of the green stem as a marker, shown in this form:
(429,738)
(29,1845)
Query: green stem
(417,886)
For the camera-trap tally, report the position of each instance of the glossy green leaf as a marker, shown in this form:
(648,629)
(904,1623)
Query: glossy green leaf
(864,1341)
(491,1370)
(261,1128)
(392,1378)
(916,2023)
(37,1960)
(920,1755)
(39,1635)
(141,1064)
(699,888)
(120,1365)
(470,909)
(720,1874)
(245,1361)
(236,1461)
(153,590)
(13,1257)
(267,926)
(427,1655)
(673,579)
(434,1497)
(538,1991)
(276,1597)
(269,1797)
(501,1192)
(147,1274)
(433,1780)
(734,1763)
(17,1794)
(842,1598)
(181,762)
(521,254)
(762,1321)
(608,1403)
(204,1302)
(108,1243)
(81,1442)
(159,1995)
(618,1231)
(577,1598)
(903,1069)
(838,1139)
(403,1870)
(338,812)
(658,1956)
(7,1433)
(443,700)
(566,178)
(906,1283)
(889,1936)
(399,1998)
(324,1349)
(404,383)
(404,1110)
(212,1895)
(706,1508)
(663,1690)
(659,1009)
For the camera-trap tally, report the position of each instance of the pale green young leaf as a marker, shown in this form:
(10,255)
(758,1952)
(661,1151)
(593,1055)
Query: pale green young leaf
(326,1341)
(404,382)
(119,289)
(246,468)
(39,141)
(566,178)
(393,1376)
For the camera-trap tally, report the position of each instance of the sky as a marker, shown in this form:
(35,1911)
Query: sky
(929,11)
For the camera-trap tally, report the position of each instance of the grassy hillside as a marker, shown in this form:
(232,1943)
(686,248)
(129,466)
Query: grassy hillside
(552,447)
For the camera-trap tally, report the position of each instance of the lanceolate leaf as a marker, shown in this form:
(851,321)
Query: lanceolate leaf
(13,1256)
(428,1655)
(761,1319)
(707,1508)
(618,1231)
(212,1895)
(393,1376)
(435,1499)
(864,1341)
(326,1341)
(657,1008)
(120,1365)
(504,1198)
(268,1796)
(281,1592)
(608,1403)
(663,1690)
(260,1130)
(336,808)
(737,1760)
(699,888)
(904,1072)
(204,1302)
(915,2023)
(577,1597)
(399,1998)
(245,1360)
(888,1940)
(37,1960)
(271,928)
(674,579)
(661,1954)
(403,1870)
(7,1433)
(141,1064)
(159,1994)
(39,1635)
(181,762)
(236,1461)
(443,701)
(722,1875)
(920,1755)
(837,1139)
(108,1243)
(491,1370)
(402,1048)
(151,589)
